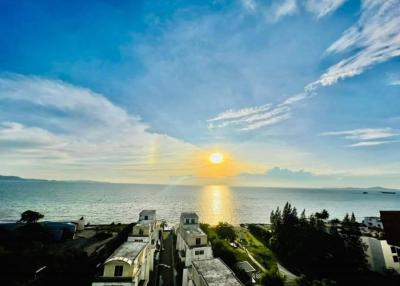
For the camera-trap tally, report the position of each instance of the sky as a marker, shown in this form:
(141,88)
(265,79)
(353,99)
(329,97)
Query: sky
(302,93)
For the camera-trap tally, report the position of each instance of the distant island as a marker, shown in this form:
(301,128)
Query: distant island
(365,189)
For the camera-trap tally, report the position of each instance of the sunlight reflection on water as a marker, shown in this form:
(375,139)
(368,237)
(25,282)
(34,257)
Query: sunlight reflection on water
(217,204)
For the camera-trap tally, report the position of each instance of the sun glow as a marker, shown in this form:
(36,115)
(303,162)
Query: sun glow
(216,158)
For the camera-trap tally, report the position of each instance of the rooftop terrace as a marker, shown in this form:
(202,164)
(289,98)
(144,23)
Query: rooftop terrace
(127,252)
(215,272)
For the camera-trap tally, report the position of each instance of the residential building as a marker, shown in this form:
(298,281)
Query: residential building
(372,221)
(391,225)
(132,262)
(209,272)
(247,268)
(129,265)
(192,243)
(384,255)
(147,229)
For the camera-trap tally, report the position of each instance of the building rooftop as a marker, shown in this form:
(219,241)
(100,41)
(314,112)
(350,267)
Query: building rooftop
(245,266)
(127,252)
(147,212)
(193,230)
(189,215)
(215,272)
(391,226)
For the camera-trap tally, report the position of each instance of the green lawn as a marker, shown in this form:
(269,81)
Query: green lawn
(259,251)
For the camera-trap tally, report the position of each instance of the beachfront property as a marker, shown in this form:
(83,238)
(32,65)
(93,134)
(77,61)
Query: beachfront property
(384,255)
(381,256)
(373,222)
(132,262)
(192,243)
(147,229)
(201,268)
(127,266)
(209,272)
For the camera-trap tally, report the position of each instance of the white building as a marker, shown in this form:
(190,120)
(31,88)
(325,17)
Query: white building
(192,243)
(210,272)
(127,266)
(372,221)
(131,263)
(147,229)
(381,256)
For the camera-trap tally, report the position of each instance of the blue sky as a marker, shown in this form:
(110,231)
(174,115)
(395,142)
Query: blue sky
(136,91)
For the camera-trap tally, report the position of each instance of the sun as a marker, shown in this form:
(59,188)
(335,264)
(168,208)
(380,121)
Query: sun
(216,158)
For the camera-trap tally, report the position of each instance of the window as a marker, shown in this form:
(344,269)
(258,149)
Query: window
(146,217)
(187,221)
(393,249)
(140,231)
(193,221)
(198,241)
(199,252)
(395,258)
(118,270)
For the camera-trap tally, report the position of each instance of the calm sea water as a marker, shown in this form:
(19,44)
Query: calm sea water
(106,203)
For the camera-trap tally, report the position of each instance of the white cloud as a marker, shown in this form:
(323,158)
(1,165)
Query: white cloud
(249,4)
(375,38)
(370,143)
(393,79)
(323,7)
(285,8)
(256,117)
(81,135)
(364,134)
(232,114)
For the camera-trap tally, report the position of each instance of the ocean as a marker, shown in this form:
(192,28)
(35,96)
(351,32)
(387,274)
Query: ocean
(106,203)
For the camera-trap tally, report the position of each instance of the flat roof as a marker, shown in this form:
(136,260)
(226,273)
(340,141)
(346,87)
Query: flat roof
(245,266)
(193,229)
(147,212)
(127,252)
(189,215)
(215,272)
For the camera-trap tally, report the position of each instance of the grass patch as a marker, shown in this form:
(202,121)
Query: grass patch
(257,249)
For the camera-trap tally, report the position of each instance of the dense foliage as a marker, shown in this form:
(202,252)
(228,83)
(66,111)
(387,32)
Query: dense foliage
(29,247)
(30,216)
(226,231)
(309,246)
(260,233)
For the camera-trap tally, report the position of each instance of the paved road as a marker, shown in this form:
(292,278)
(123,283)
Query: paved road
(166,265)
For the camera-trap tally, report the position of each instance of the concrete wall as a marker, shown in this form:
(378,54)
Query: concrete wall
(388,255)
(191,239)
(110,267)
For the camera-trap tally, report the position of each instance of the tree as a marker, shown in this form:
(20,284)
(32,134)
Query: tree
(273,278)
(226,231)
(30,216)
(322,215)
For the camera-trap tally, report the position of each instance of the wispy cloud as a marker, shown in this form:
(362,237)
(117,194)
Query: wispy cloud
(284,8)
(370,143)
(393,79)
(252,118)
(366,136)
(249,4)
(322,8)
(375,38)
(76,132)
